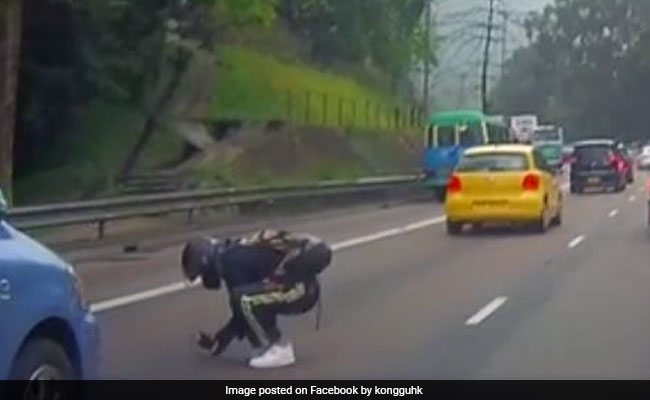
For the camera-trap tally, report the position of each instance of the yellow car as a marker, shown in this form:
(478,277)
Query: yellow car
(503,183)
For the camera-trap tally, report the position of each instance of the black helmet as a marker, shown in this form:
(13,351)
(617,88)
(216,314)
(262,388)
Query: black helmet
(198,255)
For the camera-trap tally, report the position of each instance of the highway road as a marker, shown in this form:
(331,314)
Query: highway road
(404,300)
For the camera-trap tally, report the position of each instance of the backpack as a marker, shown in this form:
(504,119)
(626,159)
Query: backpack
(308,255)
(309,262)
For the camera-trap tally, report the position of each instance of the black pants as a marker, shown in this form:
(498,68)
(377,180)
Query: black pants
(255,309)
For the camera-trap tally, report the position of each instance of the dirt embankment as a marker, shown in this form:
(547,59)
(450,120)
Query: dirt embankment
(259,155)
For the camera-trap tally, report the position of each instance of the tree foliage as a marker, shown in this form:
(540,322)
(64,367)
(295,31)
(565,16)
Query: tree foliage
(389,34)
(10,37)
(128,51)
(587,66)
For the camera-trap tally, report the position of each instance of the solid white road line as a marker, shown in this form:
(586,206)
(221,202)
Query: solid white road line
(613,213)
(138,297)
(387,233)
(181,286)
(486,311)
(575,242)
(366,239)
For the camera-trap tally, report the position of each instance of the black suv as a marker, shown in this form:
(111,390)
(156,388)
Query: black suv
(598,163)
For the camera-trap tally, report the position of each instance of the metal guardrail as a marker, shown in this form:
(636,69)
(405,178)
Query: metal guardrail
(102,211)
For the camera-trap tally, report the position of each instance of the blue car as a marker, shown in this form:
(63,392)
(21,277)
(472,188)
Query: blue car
(47,331)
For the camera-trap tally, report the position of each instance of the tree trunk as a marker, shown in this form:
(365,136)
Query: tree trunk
(10,32)
(180,63)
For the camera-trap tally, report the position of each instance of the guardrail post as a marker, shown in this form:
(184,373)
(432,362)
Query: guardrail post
(307,107)
(101,229)
(289,105)
(388,116)
(397,118)
(367,114)
(378,110)
(325,109)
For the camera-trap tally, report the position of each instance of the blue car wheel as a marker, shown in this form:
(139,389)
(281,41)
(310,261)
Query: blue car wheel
(40,363)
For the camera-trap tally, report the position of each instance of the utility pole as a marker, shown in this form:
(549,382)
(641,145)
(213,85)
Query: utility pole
(427,63)
(461,89)
(504,43)
(10,32)
(486,58)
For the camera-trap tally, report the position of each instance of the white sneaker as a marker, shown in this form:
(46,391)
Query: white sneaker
(276,356)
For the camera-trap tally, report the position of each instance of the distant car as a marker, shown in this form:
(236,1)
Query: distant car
(503,183)
(648,202)
(643,159)
(634,149)
(553,154)
(599,164)
(628,160)
(47,331)
(643,162)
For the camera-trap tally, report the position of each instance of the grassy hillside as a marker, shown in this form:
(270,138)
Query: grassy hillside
(255,86)
(249,85)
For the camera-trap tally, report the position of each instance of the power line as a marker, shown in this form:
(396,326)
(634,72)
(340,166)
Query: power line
(459,31)
(486,26)
(462,13)
(462,46)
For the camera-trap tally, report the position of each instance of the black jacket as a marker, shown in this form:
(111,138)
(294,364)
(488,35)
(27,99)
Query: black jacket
(248,264)
(267,254)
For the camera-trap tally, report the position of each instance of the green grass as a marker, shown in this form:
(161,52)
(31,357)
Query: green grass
(255,86)
(251,85)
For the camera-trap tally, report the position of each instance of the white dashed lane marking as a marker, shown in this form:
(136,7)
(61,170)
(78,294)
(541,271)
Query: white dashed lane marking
(575,242)
(486,311)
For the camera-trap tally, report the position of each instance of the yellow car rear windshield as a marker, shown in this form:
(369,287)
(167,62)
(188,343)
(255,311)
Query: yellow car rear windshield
(493,162)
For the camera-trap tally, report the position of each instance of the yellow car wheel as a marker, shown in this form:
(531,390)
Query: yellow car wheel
(454,228)
(557,220)
(541,225)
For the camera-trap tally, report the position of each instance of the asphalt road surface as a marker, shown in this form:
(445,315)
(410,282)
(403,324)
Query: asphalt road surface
(404,300)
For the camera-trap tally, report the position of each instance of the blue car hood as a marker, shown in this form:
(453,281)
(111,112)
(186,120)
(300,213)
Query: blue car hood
(15,246)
